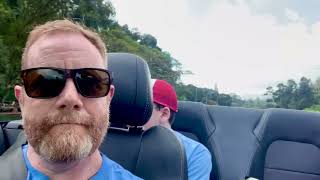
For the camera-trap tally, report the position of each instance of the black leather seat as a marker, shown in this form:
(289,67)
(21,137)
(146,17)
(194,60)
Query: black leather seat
(193,121)
(289,146)
(8,133)
(153,154)
(3,142)
(227,132)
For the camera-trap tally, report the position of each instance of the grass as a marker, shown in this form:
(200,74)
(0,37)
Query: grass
(314,108)
(9,117)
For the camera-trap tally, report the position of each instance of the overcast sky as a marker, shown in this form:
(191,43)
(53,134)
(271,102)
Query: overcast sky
(241,45)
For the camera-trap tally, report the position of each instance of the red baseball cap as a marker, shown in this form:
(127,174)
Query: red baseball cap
(164,94)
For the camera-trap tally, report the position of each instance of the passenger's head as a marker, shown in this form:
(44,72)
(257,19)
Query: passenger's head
(66,91)
(165,105)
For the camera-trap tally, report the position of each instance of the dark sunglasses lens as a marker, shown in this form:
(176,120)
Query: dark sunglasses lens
(93,82)
(43,83)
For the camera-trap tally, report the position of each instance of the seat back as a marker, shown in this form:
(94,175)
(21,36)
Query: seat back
(8,133)
(12,130)
(153,158)
(3,143)
(289,146)
(227,132)
(194,121)
(131,107)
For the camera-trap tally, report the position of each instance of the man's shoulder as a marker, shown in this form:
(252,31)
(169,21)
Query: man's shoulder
(198,158)
(116,171)
(195,151)
(113,165)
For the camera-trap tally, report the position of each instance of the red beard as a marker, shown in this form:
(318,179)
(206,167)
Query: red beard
(64,137)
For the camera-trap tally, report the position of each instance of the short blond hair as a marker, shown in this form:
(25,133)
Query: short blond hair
(64,26)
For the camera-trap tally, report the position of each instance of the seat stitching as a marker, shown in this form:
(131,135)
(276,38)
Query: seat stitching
(252,156)
(138,159)
(264,119)
(217,157)
(147,104)
(210,117)
(182,154)
(280,169)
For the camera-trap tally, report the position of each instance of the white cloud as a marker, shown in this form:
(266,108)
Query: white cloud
(229,45)
(293,16)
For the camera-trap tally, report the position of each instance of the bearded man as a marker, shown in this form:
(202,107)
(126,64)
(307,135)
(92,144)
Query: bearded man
(64,99)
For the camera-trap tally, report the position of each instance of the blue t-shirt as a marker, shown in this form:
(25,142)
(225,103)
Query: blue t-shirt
(109,170)
(198,158)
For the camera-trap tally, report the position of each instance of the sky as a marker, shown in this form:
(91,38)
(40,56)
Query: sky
(242,46)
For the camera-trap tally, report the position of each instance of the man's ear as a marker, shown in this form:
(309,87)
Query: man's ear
(111,92)
(18,94)
(165,115)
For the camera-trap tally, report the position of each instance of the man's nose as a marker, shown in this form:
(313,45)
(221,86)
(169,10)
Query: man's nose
(69,98)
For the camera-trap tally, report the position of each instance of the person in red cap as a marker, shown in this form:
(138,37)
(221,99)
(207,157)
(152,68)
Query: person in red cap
(165,105)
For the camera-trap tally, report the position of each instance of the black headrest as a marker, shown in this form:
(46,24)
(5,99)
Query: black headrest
(142,155)
(167,161)
(225,131)
(289,125)
(193,117)
(132,101)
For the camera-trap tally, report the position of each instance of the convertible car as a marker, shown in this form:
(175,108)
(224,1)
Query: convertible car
(270,144)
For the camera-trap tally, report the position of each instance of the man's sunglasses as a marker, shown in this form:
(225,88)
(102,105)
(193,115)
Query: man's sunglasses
(47,82)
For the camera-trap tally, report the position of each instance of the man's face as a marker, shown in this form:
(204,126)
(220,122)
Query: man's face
(160,116)
(69,126)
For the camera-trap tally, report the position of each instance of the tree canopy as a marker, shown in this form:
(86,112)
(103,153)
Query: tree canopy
(292,95)
(17,17)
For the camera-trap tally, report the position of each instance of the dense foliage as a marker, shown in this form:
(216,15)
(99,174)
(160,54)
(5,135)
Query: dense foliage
(17,17)
(292,95)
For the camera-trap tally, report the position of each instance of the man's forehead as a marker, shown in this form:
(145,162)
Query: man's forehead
(60,45)
(61,41)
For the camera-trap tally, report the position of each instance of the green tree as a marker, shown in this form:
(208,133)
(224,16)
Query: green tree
(291,92)
(237,100)
(96,14)
(162,65)
(17,17)
(4,61)
(292,95)
(305,94)
(224,100)
(149,41)
(285,94)
(316,90)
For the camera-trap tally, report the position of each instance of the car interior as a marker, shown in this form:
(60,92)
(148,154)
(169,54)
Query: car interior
(268,144)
